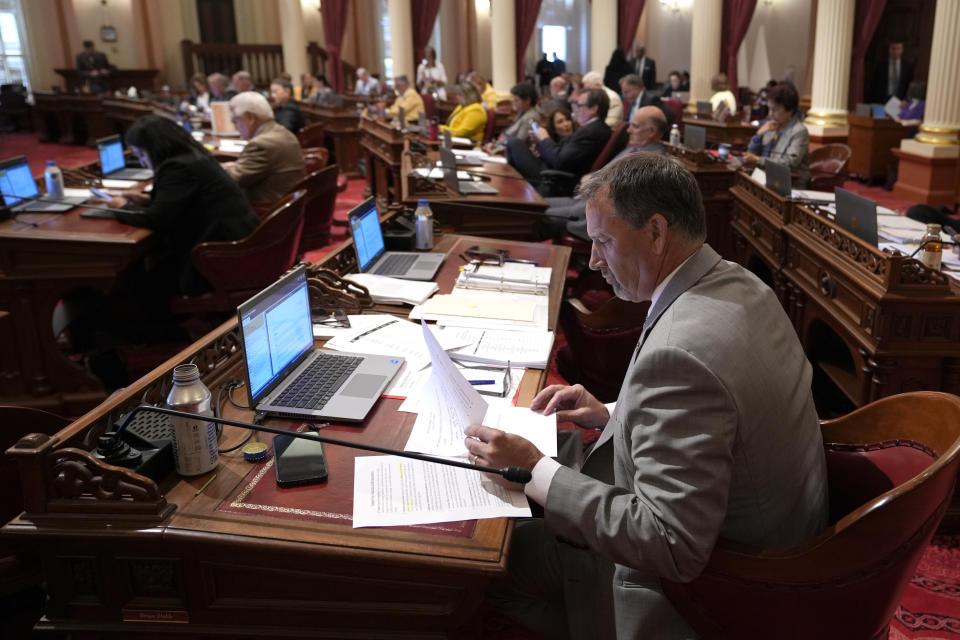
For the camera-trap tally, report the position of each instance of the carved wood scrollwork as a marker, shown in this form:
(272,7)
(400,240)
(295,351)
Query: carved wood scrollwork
(872,260)
(869,316)
(79,477)
(827,284)
(755,228)
(914,272)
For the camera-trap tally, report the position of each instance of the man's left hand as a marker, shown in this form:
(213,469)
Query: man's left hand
(542,134)
(494,448)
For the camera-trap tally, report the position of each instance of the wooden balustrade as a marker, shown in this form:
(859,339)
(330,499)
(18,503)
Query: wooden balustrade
(263,61)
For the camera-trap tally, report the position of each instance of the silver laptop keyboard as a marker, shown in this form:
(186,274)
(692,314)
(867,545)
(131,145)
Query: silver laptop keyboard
(316,384)
(396,264)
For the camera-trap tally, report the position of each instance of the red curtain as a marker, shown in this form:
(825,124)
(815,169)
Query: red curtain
(424,15)
(525,19)
(867,17)
(334,14)
(737,15)
(628,17)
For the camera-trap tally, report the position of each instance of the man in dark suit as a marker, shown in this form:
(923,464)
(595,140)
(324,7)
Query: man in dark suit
(575,153)
(645,67)
(94,66)
(287,112)
(892,76)
(635,96)
(220,90)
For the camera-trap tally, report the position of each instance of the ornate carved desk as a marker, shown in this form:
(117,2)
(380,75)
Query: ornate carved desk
(871,140)
(715,179)
(126,557)
(382,146)
(70,118)
(736,134)
(342,130)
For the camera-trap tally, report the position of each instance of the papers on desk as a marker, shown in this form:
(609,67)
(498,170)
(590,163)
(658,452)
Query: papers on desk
(436,173)
(486,310)
(493,346)
(395,491)
(385,290)
(232,146)
(481,155)
(392,337)
(516,277)
(356,322)
(892,107)
(110,183)
(813,196)
(463,142)
(77,193)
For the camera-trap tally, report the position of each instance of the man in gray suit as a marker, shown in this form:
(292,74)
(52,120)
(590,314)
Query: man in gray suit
(271,163)
(714,434)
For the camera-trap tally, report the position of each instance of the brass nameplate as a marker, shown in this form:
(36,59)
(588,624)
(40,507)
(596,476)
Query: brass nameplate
(155,615)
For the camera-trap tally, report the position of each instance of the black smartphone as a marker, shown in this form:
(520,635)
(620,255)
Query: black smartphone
(298,461)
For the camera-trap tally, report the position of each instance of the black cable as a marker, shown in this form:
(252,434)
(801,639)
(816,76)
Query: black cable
(228,387)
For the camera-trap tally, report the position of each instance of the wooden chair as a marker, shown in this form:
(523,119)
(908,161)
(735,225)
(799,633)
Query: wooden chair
(828,166)
(238,269)
(318,205)
(554,182)
(490,130)
(676,108)
(891,466)
(315,158)
(311,135)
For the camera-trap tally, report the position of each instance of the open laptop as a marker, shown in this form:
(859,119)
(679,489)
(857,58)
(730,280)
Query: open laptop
(222,120)
(112,163)
(694,138)
(287,376)
(778,178)
(20,192)
(448,144)
(371,254)
(856,214)
(463,187)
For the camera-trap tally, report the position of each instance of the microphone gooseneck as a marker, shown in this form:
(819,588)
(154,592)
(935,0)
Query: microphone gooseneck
(513,474)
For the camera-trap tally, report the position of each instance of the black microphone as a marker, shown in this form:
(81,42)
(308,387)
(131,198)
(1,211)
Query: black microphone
(110,441)
(536,214)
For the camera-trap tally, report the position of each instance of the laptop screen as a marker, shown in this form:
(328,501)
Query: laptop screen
(367,236)
(856,214)
(111,154)
(694,138)
(778,178)
(16,181)
(276,330)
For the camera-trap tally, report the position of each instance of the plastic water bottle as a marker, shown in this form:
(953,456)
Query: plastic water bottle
(675,135)
(424,225)
(194,439)
(54,179)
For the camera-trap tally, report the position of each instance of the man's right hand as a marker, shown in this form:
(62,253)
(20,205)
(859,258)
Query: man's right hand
(571,404)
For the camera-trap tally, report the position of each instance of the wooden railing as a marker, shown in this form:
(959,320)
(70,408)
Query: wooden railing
(263,61)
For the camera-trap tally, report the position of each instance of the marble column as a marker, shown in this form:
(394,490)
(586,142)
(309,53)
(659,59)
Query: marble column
(401,39)
(704,49)
(929,161)
(603,33)
(503,41)
(294,40)
(831,69)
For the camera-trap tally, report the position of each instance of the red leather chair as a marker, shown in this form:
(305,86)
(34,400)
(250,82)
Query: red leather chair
(311,135)
(238,269)
(554,182)
(617,143)
(891,466)
(676,108)
(828,166)
(489,132)
(315,158)
(318,205)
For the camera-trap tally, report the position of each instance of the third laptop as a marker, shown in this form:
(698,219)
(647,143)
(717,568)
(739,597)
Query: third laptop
(372,256)
(112,164)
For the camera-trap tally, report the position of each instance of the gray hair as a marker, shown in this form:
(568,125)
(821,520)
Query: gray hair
(253,103)
(592,79)
(218,79)
(633,80)
(401,79)
(642,184)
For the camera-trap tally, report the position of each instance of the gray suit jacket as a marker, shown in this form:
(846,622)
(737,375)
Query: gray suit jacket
(714,435)
(269,165)
(791,148)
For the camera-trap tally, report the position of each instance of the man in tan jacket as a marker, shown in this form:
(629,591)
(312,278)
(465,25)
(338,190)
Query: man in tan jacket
(271,162)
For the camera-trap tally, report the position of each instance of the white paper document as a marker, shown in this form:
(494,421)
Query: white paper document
(386,290)
(497,346)
(395,491)
(393,337)
(359,321)
(111,183)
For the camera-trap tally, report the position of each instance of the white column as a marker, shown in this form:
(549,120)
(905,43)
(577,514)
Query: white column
(937,136)
(293,39)
(401,39)
(603,33)
(705,48)
(503,41)
(831,68)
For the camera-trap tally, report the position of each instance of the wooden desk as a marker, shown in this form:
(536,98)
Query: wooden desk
(873,324)
(382,146)
(508,214)
(116,80)
(714,179)
(126,567)
(342,130)
(871,142)
(70,118)
(39,265)
(736,134)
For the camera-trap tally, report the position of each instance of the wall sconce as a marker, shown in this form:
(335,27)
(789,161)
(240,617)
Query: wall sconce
(314,4)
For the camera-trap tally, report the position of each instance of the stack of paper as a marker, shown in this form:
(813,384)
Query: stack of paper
(512,276)
(497,346)
(385,290)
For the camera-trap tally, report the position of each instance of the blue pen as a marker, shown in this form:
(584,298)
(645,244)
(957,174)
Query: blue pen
(476,382)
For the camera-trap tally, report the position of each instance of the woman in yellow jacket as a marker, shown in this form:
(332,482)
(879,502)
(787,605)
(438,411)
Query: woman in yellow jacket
(469,120)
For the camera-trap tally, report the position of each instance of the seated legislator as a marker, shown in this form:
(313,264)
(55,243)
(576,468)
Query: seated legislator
(469,119)
(524,97)
(636,96)
(714,433)
(569,215)
(408,98)
(783,138)
(575,153)
(593,80)
(366,85)
(722,94)
(193,200)
(271,162)
(242,81)
(287,112)
(560,124)
(220,90)
(488,95)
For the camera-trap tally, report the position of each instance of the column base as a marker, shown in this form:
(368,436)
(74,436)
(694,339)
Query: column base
(821,135)
(927,172)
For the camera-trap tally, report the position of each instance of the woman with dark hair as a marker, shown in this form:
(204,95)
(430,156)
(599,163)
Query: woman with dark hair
(783,138)
(469,119)
(431,76)
(193,200)
(911,109)
(561,124)
(524,97)
(199,93)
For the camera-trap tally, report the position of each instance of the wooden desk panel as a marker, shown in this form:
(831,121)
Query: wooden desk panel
(736,134)
(163,553)
(871,142)
(70,118)
(117,79)
(342,130)
(714,179)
